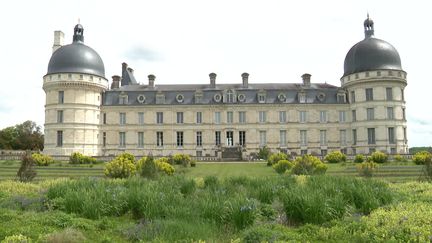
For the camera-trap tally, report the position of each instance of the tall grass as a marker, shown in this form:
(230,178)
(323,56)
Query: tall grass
(185,206)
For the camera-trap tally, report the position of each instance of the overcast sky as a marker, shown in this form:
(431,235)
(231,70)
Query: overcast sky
(183,41)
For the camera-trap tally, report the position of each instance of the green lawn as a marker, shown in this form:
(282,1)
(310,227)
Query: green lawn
(391,172)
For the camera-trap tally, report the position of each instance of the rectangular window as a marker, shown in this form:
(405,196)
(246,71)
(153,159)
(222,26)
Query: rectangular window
(354,136)
(282,116)
(229,117)
(242,138)
(242,117)
(403,114)
(303,152)
(59,138)
(61,97)
(140,118)
(104,118)
(391,135)
(218,138)
(122,139)
(302,116)
(159,117)
(389,93)
(262,116)
(390,113)
(354,115)
(179,139)
(123,100)
(405,135)
(199,117)
(303,137)
(179,117)
(371,135)
(370,114)
(261,98)
(263,138)
(323,116)
(323,137)
(104,139)
(122,118)
(342,134)
(199,139)
(369,94)
(140,139)
(392,150)
(217,117)
(323,152)
(352,96)
(282,138)
(159,139)
(403,95)
(342,116)
(60,116)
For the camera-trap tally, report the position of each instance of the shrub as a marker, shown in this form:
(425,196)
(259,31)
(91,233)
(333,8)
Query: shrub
(379,157)
(308,165)
(359,158)
(16,239)
(26,172)
(335,157)
(367,168)
(399,158)
(193,163)
(165,167)
(182,159)
(122,166)
(276,157)
(282,166)
(264,153)
(148,167)
(42,160)
(78,158)
(162,159)
(421,158)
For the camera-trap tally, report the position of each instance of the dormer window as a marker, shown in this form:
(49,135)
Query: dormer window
(241,97)
(321,96)
(282,97)
(217,97)
(198,97)
(123,99)
(141,98)
(160,98)
(180,98)
(261,96)
(230,96)
(341,97)
(302,97)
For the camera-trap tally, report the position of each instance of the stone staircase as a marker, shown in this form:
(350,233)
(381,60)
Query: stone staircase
(231,154)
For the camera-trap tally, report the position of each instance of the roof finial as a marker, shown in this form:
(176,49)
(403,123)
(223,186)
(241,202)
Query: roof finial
(78,33)
(79,22)
(368,27)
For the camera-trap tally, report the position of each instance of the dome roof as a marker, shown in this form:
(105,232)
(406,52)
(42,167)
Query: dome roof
(371,54)
(76,57)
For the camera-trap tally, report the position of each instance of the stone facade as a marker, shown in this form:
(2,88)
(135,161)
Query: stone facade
(365,114)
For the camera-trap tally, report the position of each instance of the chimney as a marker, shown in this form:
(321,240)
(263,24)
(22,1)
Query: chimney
(306,79)
(115,82)
(58,40)
(151,79)
(212,80)
(245,78)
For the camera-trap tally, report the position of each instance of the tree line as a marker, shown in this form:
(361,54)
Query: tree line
(25,136)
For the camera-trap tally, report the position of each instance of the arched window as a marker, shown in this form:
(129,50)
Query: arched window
(230,96)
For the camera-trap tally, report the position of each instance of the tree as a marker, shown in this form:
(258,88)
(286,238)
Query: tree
(25,136)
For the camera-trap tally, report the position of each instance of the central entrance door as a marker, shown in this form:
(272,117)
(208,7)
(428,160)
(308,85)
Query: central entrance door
(230,138)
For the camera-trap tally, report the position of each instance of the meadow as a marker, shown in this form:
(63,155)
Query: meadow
(216,202)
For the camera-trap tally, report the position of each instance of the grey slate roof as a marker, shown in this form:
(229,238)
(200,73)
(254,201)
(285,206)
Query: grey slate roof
(272,91)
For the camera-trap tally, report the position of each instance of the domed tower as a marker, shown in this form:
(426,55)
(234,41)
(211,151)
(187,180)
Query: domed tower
(375,82)
(73,86)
